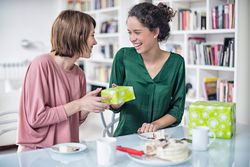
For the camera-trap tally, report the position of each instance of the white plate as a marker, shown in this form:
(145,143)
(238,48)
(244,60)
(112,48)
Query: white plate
(157,162)
(149,136)
(80,147)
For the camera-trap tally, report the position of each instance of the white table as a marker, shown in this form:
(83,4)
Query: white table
(222,153)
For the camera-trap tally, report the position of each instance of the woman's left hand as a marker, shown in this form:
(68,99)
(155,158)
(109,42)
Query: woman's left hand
(147,127)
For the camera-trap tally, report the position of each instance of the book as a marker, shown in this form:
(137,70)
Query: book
(214,18)
(203,21)
(225,91)
(228,52)
(226,16)
(210,88)
(194,50)
(220,16)
(230,93)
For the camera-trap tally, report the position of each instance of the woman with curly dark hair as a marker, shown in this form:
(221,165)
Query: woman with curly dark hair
(157,76)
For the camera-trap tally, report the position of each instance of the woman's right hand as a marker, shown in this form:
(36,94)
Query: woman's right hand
(92,103)
(116,106)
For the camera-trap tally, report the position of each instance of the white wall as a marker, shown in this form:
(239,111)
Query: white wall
(243,67)
(26,19)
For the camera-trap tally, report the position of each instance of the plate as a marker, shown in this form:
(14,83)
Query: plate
(150,135)
(157,162)
(78,147)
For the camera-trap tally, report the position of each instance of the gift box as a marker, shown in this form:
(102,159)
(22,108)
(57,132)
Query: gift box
(218,116)
(118,94)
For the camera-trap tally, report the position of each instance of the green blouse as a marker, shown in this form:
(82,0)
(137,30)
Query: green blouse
(165,94)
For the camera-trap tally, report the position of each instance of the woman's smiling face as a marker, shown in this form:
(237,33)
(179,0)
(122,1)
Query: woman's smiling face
(140,36)
(91,41)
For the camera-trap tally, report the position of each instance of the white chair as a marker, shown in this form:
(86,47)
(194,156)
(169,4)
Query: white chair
(109,128)
(9,107)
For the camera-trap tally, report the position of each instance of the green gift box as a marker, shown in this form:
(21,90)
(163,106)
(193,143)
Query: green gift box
(118,94)
(218,116)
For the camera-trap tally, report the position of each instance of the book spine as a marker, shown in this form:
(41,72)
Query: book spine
(226,16)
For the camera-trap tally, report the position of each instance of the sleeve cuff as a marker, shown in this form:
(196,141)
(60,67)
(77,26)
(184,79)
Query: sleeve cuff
(62,116)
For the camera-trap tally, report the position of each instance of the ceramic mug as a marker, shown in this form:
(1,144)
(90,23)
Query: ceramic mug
(106,151)
(200,138)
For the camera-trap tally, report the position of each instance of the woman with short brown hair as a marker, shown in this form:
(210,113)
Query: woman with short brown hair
(54,102)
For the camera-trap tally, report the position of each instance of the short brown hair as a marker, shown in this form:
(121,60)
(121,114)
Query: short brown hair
(70,32)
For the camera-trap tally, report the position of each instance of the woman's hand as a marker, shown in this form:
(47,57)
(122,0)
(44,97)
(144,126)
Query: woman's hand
(148,127)
(163,122)
(116,106)
(92,103)
(88,103)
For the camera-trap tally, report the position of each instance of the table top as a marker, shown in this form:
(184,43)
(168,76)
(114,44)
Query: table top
(222,153)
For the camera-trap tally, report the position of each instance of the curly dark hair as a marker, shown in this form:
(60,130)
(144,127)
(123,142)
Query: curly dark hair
(152,16)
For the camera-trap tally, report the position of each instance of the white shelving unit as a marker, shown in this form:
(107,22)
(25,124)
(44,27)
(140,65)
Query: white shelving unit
(196,72)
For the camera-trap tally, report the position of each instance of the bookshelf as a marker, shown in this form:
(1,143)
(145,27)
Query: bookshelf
(182,31)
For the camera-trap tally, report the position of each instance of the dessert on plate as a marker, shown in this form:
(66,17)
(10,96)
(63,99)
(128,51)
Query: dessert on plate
(168,149)
(68,149)
(160,134)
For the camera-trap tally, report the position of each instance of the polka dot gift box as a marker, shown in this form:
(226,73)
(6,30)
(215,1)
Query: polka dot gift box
(218,116)
(118,94)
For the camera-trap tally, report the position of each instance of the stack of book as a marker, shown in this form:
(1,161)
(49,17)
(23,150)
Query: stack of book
(218,89)
(191,19)
(101,4)
(227,57)
(195,49)
(108,50)
(216,54)
(101,73)
(87,5)
(109,26)
(210,88)
(225,91)
(223,16)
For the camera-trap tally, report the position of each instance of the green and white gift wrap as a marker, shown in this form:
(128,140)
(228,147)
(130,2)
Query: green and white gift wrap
(118,94)
(218,116)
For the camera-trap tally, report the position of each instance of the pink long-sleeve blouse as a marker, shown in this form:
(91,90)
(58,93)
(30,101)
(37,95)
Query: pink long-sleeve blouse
(42,118)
